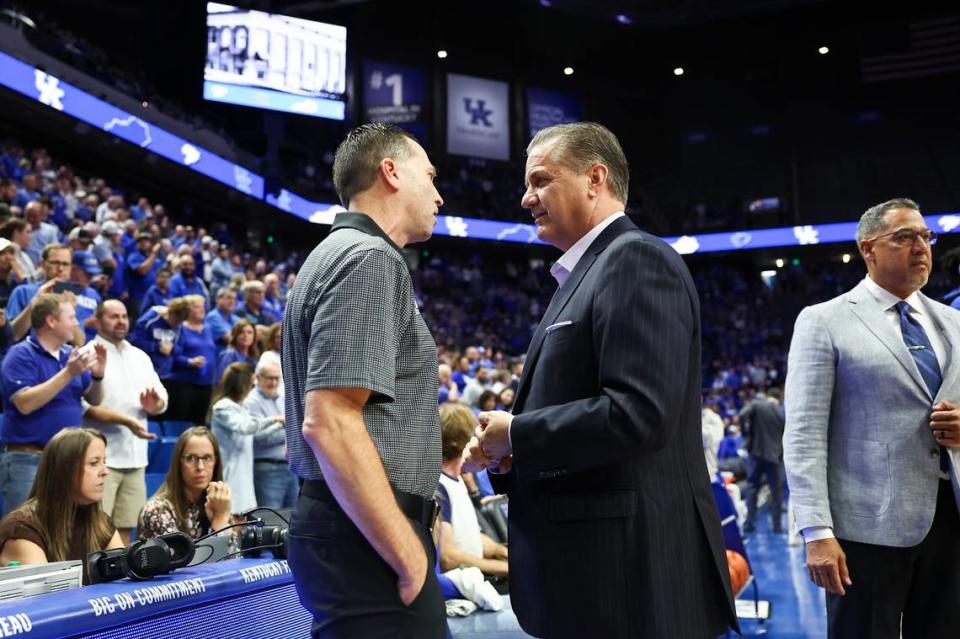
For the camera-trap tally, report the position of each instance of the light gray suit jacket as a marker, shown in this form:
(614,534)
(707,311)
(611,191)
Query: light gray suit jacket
(859,453)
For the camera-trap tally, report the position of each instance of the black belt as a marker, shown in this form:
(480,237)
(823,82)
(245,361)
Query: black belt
(267,460)
(415,507)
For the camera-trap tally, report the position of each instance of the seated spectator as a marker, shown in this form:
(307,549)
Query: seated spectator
(194,363)
(476,386)
(222,318)
(43,381)
(234,426)
(461,542)
(731,444)
(272,345)
(155,333)
(447,391)
(62,520)
(275,485)
(505,398)
(186,281)
(158,294)
(461,373)
(253,295)
(242,348)
(193,498)
(487,401)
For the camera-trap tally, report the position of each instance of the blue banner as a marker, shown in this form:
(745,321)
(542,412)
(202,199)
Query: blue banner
(547,108)
(478,123)
(66,98)
(396,94)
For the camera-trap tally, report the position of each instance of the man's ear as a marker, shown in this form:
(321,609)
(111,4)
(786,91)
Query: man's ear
(866,251)
(597,176)
(388,172)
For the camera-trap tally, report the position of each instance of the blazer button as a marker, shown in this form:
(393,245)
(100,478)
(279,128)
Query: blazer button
(935,452)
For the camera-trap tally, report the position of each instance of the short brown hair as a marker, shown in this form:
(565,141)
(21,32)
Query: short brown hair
(358,157)
(179,308)
(50,248)
(43,307)
(457,424)
(11,226)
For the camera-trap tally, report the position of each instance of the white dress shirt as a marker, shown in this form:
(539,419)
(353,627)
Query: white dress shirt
(128,373)
(568,261)
(919,312)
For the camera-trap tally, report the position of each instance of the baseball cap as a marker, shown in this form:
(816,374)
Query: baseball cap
(79,234)
(109,228)
(88,262)
(6,244)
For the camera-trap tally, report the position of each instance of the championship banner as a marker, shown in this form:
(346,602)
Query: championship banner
(477,117)
(547,108)
(395,94)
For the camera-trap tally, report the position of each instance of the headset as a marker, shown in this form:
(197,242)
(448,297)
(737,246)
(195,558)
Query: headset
(143,559)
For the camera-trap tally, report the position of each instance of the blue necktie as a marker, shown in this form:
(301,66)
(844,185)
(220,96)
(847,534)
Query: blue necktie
(923,354)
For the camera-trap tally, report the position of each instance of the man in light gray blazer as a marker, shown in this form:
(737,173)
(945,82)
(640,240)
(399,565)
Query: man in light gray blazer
(872,432)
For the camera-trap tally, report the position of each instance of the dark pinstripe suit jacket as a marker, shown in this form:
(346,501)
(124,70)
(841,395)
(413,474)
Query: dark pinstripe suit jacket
(613,528)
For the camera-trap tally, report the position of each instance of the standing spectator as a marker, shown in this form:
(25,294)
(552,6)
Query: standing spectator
(242,348)
(221,270)
(272,345)
(62,519)
(156,331)
(159,294)
(222,318)
(447,391)
(186,281)
(194,363)
(141,270)
(711,430)
(132,392)
(110,253)
(42,234)
(57,262)
(476,387)
(29,191)
(253,310)
(21,233)
(43,382)
(762,420)
(234,427)
(272,304)
(275,485)
(8,280)
(85,268)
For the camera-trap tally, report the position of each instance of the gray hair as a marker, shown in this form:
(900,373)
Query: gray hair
(872,221)
(358,157)
(580,145)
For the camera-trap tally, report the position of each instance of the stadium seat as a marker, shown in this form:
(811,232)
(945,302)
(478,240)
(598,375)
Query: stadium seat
(160,452)
(175,428)
(153,482)
(155,427)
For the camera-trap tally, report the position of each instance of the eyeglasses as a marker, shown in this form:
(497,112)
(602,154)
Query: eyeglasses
(270,378)
(194,460)
(906,237)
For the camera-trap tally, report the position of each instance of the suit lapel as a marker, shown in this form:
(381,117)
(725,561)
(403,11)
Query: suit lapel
(951,339)
(560,299)
(866,308)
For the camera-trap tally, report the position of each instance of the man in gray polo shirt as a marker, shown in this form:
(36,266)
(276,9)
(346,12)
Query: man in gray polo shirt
(360,371)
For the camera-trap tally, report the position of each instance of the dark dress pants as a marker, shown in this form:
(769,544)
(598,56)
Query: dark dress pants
(348,588)
(921,582)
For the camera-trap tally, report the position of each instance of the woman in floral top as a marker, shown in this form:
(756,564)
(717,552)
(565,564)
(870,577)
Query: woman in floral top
(193,498)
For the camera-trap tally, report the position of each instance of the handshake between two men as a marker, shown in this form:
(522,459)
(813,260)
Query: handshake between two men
(490,447)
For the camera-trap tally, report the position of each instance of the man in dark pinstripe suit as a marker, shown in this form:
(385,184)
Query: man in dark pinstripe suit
(602,455)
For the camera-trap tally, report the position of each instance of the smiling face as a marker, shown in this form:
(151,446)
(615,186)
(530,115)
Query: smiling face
(902,270)
(557,198)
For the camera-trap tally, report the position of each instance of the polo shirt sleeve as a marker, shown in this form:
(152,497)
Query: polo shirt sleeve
(443,498)
(354,334)
(20,370)
(133,263)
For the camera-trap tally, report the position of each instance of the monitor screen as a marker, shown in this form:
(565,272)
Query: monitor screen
(275,62)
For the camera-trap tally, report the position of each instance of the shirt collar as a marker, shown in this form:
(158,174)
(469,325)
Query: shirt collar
(35,343)
(562,269)
(363,223)
(888,300)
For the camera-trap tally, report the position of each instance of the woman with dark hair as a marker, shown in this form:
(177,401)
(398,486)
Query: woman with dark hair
(58,524)
(193,498)
(487,401)
(242,347)
(235,427)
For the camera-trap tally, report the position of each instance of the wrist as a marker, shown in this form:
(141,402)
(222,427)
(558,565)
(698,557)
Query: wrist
(96,378)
